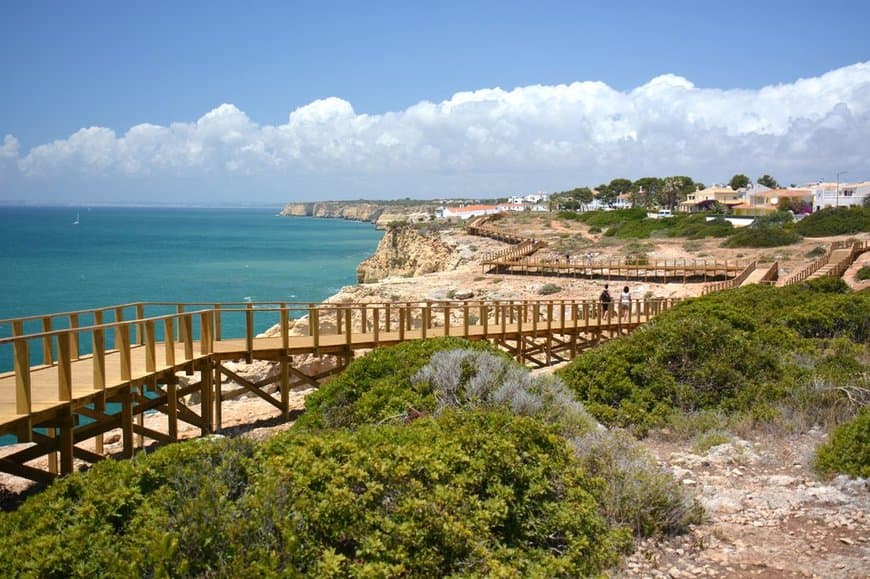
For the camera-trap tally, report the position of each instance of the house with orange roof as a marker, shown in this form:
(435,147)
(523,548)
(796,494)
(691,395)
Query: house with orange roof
(768,201)
(702,198)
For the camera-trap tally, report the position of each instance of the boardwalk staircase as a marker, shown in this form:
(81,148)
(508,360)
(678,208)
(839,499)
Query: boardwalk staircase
(834,263)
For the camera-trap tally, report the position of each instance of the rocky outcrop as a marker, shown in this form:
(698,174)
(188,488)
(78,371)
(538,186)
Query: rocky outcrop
(404,251)
(381,215)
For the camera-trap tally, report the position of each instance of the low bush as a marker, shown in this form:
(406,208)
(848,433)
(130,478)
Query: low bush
(378,386)
(863,273)
(763,236)
(693,226)
(474,379)
(608,218)
(817,251)
(461,494)
(835,221)
(848,449)
(638,493)
(549,289)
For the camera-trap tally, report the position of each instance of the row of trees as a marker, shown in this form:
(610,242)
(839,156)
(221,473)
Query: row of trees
(646,191)
(740,181)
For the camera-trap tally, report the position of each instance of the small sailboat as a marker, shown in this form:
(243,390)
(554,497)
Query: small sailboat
(76,222)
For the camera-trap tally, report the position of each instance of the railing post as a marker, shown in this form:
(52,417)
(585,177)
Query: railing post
(348,327)
(119,317)
(218,331)
(150,347)
(376,323)
(122,333)
(205,345)
(64,367)
(484,318)
(169,340)
(425,321)
(503,321)
(338,321)
(22,376)
(387,317)
(179,309)
(73,326)
(536,313)
(446,319)
(47,354)
(314,327)
(402,314)
(98,338)
(187,325)
(140,314)
(249,331)
(285,322)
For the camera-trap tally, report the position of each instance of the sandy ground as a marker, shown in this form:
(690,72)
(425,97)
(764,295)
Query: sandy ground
(768,516)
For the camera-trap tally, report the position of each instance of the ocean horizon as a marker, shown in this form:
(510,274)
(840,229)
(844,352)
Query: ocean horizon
(58,259)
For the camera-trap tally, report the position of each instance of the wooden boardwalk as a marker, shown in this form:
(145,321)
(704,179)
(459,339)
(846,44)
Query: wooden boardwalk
(73,382)
(836,261)
(520,260)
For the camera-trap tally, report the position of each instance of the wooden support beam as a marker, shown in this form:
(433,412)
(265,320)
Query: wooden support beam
(127,421)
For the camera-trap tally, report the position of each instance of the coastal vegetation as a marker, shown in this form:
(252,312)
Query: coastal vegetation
(484,470)
(835,221)
(848,450)
(781,357)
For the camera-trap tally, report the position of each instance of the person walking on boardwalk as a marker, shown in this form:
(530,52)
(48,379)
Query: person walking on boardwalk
(625,301)
(605,299)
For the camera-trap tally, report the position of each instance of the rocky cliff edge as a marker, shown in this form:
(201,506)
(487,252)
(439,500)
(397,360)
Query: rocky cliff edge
(379,214)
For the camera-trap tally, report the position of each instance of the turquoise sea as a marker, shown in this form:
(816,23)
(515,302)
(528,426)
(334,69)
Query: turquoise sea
(120,255)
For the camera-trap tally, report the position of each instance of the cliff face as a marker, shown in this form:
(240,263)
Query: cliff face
(333,209)
(380,215)
(403,251)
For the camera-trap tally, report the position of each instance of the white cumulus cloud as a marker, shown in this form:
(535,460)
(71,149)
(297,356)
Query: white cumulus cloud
(522,138)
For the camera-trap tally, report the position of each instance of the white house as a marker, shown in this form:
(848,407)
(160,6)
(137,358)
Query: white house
(843,195)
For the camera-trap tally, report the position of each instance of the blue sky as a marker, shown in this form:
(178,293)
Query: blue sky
(211,87)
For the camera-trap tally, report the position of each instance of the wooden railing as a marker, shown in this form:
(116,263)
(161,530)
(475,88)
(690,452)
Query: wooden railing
(478,226)
(772,275)
(174,339)
(513,253)
(837,269)
(731,283)
(62,347)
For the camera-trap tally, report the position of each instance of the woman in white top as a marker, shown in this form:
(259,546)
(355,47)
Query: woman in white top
(625,300)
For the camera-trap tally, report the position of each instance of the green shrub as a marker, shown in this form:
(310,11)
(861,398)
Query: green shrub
(549,289)
(741,351)
(835,221)
(693,226)
(817,251)
(464,494)
(704,441)
(763,234)
(848,449)
(378,386)
(863,273)
(638,493)
(608,218)
(162,513)
(594,229)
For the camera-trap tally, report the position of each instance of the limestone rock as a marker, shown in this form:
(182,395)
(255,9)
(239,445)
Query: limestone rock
(403,251)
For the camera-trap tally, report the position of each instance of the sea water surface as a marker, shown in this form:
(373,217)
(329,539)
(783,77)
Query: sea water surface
(49,263)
